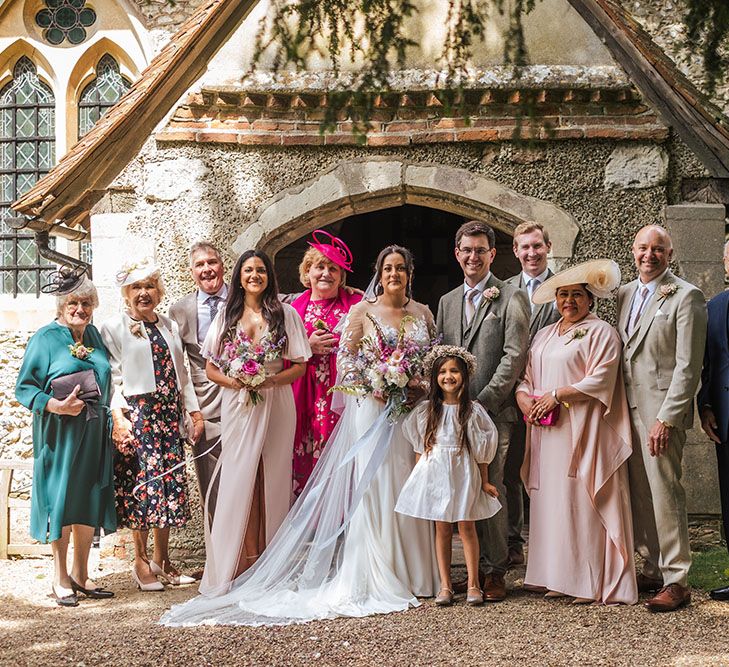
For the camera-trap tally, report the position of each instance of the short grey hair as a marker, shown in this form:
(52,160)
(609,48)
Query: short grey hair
(204,245)
(84,290)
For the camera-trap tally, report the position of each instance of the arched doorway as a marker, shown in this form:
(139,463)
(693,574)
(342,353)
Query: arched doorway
(427,232)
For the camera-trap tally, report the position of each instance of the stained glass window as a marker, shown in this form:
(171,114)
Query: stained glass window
(65,20)
(101,94)
(27,151)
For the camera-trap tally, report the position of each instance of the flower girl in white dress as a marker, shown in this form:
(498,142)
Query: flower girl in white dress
(454,440)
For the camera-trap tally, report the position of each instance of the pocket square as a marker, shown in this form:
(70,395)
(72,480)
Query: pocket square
(660,313)
(491,316)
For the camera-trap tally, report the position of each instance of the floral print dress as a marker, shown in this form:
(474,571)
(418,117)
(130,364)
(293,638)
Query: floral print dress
(155,417)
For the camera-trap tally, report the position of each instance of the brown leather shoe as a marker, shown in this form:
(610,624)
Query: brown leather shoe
(494,589)
(669,598)
(648,584)
(516,557)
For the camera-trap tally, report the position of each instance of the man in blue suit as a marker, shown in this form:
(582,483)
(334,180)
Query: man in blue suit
(713,399)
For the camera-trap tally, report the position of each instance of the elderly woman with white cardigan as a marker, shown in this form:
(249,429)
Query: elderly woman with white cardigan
(153,398)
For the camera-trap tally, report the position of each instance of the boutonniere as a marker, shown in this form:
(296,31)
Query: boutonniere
(669,289)
(80,351)
(490,294)
(577,334)
(136,329)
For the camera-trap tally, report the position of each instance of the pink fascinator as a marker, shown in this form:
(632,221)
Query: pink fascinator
(334,249)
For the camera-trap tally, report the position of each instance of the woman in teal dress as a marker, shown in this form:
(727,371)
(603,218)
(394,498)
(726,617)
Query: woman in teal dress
(73,482)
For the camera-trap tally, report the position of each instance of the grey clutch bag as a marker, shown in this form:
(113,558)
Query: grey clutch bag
(89,391)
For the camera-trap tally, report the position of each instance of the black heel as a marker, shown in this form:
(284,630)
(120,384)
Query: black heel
(97,593)
(65,600)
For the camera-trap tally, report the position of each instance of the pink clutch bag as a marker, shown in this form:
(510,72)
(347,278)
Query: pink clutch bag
(550,419)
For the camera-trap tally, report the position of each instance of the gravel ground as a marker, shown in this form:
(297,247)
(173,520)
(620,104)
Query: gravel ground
(524,630)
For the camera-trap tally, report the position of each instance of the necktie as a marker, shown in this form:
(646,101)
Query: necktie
(470,305)
(633,325)
(213,305)
(531,288)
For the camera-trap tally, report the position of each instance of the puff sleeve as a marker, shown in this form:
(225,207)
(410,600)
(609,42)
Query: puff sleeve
(414,425)
(482,435)
(298,348)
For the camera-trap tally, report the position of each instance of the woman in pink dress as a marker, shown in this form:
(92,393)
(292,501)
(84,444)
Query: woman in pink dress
(580,530)
(322,306)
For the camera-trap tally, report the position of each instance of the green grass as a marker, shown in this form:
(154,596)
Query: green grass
(710,569)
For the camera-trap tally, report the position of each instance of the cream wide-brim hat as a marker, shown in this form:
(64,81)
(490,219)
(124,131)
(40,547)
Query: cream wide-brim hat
(602,277)
(132,272)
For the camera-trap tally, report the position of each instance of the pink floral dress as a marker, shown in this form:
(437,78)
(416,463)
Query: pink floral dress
(315,419)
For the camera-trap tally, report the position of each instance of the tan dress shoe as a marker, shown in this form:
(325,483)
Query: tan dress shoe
(669,598)
(494,588)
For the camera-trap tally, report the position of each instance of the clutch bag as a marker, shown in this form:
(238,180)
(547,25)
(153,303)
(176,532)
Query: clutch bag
(550,419)
(89,389)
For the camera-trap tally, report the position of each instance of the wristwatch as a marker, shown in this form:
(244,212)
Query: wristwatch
(554,395)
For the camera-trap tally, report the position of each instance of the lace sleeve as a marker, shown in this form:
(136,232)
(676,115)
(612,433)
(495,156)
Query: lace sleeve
(352,331)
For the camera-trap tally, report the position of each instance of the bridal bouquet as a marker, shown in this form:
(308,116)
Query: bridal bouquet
(384,366)
(245,361)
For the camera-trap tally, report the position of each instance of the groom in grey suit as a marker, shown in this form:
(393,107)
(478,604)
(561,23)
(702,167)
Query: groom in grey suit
(662,321)
(193,314)
(491,320)
(531,247)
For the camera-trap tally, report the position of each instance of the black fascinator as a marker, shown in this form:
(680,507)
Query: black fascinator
(65,280)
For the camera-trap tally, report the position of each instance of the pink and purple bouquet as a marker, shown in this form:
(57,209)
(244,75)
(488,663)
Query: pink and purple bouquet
(245,361)
(384,366)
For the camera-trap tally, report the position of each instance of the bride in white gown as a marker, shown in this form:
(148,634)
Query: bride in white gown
(342,550)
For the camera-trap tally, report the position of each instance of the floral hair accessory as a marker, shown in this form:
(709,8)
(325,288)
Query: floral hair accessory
(669,289)
(491,293)
(441,351)
(577,334)
(133,272)
(335,250)
(600,276)
(80,351)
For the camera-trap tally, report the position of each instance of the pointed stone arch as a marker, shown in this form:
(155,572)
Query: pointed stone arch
(370,184)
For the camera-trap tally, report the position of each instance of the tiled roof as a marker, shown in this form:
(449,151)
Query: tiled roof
(77,182)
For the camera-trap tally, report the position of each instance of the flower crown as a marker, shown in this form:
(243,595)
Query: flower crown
(440,351)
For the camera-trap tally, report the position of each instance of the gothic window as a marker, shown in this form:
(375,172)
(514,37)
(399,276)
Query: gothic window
(65,20)
(101,94)
(27,152)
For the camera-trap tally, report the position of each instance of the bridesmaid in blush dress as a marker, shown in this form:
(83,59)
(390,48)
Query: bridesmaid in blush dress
(257,440)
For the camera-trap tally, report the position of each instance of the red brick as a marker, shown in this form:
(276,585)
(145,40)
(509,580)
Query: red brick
(260,138)
(211,137)
(190,124)
(232,124)
(447,123)
(183,113)
(477,134)
(405,126)
(307,126)
(304,139)
(268,125)
(175,135)
(388,139)
(562,133)
(433,137)
(344,139)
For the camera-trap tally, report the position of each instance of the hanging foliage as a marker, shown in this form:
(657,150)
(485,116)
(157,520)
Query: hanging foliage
(707,33)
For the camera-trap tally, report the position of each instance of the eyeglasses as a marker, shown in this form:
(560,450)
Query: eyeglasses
(479,252)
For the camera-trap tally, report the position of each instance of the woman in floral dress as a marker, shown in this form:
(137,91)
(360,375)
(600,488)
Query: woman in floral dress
(322,306)
(152,394)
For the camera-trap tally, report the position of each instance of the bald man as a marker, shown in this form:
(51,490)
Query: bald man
(662,321)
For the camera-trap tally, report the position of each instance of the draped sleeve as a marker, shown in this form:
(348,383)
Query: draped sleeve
(482,435)
(602,364)
(414,426)
(30,388)
(351,333)
(297,348)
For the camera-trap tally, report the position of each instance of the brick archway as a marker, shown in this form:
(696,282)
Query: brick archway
(371,184)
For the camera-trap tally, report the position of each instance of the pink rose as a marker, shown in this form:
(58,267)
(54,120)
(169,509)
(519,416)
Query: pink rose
(251,367)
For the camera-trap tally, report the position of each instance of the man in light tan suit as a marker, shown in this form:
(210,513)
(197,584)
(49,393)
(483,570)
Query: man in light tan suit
(662,321)
(193,314)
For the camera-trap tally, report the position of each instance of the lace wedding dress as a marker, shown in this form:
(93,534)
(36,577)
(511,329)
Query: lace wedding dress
(342,550)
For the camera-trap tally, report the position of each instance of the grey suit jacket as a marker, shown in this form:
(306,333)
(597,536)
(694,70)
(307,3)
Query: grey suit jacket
(184,312)
(498,337)
(662,358)
(541,316)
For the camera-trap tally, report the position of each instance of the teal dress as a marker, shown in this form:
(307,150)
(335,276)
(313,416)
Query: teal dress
(73,479)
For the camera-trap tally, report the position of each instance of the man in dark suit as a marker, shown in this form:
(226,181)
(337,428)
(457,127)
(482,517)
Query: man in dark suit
(531,247)
(713,399)
(491,320)
(193,314)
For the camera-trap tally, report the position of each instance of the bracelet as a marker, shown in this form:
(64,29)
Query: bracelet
(554,395)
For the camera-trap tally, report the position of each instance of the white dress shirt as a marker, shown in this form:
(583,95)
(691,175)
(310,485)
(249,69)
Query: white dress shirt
(638,298)
(203,310)
(525,277)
